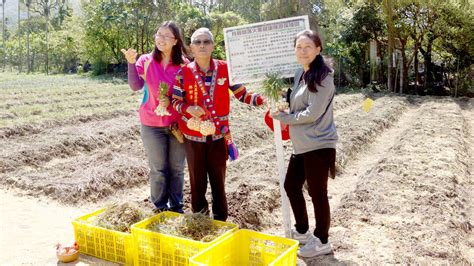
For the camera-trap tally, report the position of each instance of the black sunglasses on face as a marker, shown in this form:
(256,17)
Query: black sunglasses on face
(199,42)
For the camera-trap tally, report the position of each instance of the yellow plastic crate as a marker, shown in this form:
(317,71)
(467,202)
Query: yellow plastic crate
(103,243)
(153,248)
(246,247)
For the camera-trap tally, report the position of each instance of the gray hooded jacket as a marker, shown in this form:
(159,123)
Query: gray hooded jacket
(311,119)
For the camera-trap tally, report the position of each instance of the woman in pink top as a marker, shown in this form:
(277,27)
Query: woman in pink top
(165,153)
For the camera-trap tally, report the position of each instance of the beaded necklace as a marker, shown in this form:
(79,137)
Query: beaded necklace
(208,102)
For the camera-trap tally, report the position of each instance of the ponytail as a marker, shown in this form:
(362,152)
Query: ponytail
(317,72)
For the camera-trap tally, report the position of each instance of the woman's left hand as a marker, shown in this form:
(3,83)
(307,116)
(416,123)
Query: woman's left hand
(274,114)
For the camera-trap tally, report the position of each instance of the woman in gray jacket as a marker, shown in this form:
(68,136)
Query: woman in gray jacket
(313,134)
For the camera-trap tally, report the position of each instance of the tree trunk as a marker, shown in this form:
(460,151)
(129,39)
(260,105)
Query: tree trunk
(404,66)
(143,37)
(361,68)
(417,76)
(137,37)
(3,35)
(380,66)
(211,5)
(373,62)
(428,63)
(404,82)
(391,34)
(397,68)
(47,44)
(29,68)
(19,40)
(33,60)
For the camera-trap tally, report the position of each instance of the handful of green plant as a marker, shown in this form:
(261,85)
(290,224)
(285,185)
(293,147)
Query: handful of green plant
(273,87)
(163,101)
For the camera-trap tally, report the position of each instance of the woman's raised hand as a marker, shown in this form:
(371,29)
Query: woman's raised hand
(130,55)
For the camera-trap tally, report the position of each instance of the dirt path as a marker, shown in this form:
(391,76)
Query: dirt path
(30,227)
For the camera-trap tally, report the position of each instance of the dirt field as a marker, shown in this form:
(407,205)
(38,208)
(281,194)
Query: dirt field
(403,192)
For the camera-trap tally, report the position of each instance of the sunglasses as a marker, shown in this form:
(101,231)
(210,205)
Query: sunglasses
(199,42)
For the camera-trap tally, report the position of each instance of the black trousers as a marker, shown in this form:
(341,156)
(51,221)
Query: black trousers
(313,167)
(207,159)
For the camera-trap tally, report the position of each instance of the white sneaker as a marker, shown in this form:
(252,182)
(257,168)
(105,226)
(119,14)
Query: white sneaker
(302,238)
(314,248)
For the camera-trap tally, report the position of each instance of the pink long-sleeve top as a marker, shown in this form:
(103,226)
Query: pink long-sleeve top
(150,82)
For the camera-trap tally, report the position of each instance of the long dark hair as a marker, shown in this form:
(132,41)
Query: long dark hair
(179,49)
(318,69)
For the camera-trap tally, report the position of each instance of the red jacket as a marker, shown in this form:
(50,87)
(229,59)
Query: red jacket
(215,99)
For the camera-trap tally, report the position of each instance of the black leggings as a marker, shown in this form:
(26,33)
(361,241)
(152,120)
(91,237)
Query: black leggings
(313,167)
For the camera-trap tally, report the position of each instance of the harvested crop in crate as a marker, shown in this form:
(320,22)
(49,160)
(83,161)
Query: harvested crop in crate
(196,226)
(120,217)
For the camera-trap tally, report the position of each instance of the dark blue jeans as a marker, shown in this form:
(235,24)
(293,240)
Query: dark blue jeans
(166,161)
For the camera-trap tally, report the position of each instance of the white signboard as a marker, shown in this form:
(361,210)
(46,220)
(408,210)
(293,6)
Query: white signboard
(267,47)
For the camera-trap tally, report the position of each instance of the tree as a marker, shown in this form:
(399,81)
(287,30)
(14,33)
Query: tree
(277,9)
(365,25)
(219,21)
(65,44)
(456,46)
(250,10)
(142,17)
(44,8)
(427,25)
(190,19)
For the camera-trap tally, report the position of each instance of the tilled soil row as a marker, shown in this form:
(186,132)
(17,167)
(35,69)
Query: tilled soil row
(23,130)
(34,150)
(38,116)
(39,90)
(58,99)
(61,106)
(85,177)
(358,128)
(57,110)
(414,200)
(347,102)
